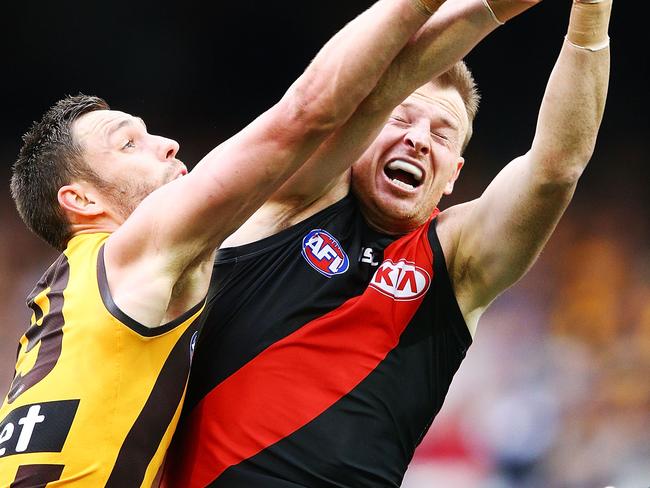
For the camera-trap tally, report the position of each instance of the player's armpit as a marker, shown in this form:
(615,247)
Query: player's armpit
(500,234)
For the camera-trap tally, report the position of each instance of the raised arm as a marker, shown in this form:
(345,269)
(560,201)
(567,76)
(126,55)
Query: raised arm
(456,28)
(498,236)
(190,217)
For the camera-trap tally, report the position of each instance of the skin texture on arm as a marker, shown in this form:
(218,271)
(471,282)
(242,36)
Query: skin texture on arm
(176,228)
(457,27)
(493,240)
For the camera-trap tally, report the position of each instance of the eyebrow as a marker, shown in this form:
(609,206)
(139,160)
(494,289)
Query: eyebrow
(124,123)
(446,119)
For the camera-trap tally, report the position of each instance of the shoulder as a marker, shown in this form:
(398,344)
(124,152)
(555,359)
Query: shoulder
(148,287)
(83,251)
(449,227)
(451,230)
(86,242)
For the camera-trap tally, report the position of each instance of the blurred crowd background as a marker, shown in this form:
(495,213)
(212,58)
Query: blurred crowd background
(555,391)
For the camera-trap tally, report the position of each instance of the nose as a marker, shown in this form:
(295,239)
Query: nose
(418,139)
(168,148)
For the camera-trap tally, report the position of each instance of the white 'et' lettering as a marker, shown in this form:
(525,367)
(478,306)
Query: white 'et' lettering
(5,435)
(28,422)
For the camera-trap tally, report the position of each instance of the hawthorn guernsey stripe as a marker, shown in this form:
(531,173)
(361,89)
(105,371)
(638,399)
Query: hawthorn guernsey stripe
(305,378)
(155,419)
(37,475)
(49,335)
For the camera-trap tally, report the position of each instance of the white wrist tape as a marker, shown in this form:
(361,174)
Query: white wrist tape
(593,49)
(589,24)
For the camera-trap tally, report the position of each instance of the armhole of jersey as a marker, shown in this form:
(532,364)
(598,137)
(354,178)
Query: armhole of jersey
(443,283)
(123,318)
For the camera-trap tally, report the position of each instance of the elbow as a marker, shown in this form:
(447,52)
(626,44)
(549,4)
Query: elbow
(313,110)
(564,166)
(580,151)
(563,175)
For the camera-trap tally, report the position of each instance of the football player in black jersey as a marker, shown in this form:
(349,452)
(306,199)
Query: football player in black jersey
(406,141)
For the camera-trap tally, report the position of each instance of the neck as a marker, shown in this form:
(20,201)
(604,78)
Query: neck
(94,227)
(389,226)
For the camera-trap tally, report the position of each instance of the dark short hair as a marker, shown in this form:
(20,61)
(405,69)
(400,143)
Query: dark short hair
(49,159)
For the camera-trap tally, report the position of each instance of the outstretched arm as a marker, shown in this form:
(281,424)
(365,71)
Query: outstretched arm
(456,28)
(190,217)
(498,236)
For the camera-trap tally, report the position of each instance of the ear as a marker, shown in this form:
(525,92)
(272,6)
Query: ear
(77,200)
(450,184)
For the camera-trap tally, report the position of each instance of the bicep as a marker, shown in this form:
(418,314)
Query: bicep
(504,230)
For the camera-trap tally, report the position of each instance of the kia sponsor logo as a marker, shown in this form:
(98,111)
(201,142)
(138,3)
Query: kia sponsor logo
(402,280)
(324,253)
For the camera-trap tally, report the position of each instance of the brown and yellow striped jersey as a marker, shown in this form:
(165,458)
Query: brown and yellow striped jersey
(96,396)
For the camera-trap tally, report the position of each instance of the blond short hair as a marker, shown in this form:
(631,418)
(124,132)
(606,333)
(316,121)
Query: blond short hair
(460,78)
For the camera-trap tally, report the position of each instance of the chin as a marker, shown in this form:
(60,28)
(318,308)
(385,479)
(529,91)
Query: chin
(392,214)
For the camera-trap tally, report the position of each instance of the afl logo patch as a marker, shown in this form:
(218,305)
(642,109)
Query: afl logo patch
(402,280)
(324,253)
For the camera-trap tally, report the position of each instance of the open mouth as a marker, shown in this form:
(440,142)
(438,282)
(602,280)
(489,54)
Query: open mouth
(182,172)
(404,174)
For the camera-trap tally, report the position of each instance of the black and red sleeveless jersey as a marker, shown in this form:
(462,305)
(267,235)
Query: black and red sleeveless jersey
(328,350)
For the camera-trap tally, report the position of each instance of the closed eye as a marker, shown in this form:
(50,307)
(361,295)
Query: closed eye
(129,144)
(446,140)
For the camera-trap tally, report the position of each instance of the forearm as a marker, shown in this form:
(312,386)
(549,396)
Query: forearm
(349,66)
(346,69)
(505,229)
(574,101)
(456,28)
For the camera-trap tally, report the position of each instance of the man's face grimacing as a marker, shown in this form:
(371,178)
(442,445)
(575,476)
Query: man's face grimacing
(130,162)
(415,159)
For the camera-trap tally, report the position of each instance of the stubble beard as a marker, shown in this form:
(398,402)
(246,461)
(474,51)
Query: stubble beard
(127,194)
